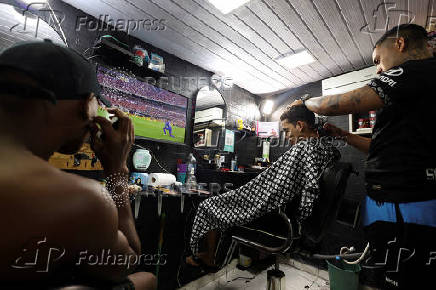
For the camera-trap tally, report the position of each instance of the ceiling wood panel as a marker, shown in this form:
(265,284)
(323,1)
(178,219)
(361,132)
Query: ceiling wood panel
(221,35)
(309,15)
(375,13)
(354,18)
(243,43)
(246,42)
(256,40)
(302,32)
(420,10)
(337,27)
(176,19)
(182,31)
(399,13)
(277,27)
(12,28)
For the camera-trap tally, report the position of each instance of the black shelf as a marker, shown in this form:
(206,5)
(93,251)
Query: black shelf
(115,55)
(159,141)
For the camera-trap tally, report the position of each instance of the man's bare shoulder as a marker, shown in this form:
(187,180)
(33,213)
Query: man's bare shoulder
(40,200)
(36,178)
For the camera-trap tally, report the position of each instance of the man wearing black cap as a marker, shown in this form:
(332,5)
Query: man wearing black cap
(60,228)
(400,210)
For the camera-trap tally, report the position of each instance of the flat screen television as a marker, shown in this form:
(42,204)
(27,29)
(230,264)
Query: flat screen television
(156,113)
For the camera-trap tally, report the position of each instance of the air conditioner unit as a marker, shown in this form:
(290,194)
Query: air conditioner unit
(212,114)
(348,82)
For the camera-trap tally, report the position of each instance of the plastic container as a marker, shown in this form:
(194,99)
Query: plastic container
(343,276)
(233,165)
(181,172)
(181,177)
(141,55)
(191,181)
(191,164)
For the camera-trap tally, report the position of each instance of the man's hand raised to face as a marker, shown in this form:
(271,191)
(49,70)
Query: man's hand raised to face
(115,143)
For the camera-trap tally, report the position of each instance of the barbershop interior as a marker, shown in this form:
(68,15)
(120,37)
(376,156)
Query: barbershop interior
(217,144)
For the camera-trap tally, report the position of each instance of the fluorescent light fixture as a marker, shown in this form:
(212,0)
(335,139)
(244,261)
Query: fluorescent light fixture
(32,5)
(226,6)
(267,107)
(25,18)
(33,1)
(296,59)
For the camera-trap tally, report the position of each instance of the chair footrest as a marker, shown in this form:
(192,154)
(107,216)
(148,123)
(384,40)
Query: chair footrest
(259,239)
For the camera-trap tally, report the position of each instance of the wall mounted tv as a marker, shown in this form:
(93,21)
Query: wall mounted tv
(156,113)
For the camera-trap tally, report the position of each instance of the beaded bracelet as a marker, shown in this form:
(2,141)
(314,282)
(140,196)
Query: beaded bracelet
(117,181)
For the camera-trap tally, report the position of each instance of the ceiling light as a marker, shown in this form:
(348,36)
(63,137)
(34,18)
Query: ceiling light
(267,107)
(32,5)
(296,59)
(226,6)
(27,2)
(24,17)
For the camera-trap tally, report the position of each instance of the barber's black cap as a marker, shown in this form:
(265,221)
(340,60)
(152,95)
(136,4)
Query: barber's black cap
(58,69)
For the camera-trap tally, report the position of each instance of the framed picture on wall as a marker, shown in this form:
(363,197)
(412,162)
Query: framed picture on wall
(229,141)
(84,160)
(267,129)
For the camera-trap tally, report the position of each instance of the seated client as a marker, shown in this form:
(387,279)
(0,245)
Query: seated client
(294,175)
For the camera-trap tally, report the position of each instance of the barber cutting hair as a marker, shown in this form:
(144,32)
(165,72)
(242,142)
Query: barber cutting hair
(400,209)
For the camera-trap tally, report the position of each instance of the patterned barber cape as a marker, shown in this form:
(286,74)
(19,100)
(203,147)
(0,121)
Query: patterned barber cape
(294,175)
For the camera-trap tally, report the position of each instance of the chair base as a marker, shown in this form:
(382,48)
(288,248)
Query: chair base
(275,280)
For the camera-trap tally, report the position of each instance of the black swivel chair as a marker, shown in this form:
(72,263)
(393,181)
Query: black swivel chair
(333,184)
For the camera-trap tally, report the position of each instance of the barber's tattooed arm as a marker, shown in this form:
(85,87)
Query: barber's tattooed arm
(360,100)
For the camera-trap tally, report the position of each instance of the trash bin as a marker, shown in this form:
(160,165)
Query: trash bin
(343,276)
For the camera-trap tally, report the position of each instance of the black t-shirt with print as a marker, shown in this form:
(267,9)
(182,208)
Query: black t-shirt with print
(401,165)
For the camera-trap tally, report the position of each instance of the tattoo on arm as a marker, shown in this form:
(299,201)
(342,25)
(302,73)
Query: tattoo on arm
(333,102)
(359,100)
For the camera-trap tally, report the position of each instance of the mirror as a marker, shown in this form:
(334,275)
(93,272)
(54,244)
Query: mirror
(210,117)
(26,24)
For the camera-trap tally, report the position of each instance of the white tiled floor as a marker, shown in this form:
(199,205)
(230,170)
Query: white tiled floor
(295,279)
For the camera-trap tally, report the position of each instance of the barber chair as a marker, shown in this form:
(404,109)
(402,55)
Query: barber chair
(333,183)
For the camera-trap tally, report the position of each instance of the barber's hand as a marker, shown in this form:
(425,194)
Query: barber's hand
(334,131)
(113,149)
(295,103)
